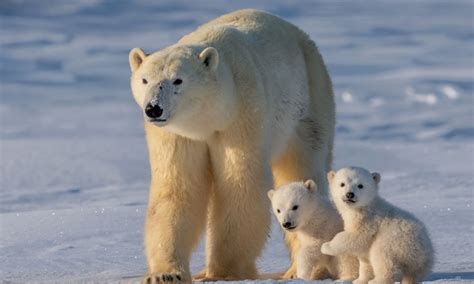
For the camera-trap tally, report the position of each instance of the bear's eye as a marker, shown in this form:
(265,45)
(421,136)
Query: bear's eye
(360,186)
(342,184)
(278,210)
(295,207)
(177,82)
(144,81)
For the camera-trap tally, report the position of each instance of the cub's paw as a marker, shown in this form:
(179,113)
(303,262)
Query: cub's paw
(155,278)
(326,249)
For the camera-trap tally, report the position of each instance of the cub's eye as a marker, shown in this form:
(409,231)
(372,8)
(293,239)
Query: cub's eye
(342,184)
(144,81)
(360,186)
(295,207)
(177,82)
(278,210)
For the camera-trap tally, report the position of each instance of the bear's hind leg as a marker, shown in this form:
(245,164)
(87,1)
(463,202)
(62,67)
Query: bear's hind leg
(411,279)
(384,267)
(302,160)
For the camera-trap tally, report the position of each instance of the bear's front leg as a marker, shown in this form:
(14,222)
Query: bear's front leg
(239,212)
(344,242)
(304,263)
(310,263)
(177,204)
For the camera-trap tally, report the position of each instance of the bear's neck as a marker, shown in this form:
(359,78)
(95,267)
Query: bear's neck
(354,218)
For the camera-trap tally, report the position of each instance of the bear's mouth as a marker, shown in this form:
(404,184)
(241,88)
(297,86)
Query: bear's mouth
(156,119)
(349,200)
(290,228)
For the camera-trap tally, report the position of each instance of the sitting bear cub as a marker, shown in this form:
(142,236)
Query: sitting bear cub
(301,208)
(390,243)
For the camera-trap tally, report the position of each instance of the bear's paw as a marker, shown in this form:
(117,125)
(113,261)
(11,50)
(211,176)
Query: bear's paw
(326,249)
(155,278)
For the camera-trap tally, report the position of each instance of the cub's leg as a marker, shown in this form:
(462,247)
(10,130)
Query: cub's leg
(344,243)
(348,267)
(365,271)
(305,264)
(177,204)
(384,267)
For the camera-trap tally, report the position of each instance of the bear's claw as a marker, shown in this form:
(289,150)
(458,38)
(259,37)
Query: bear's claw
(156,278)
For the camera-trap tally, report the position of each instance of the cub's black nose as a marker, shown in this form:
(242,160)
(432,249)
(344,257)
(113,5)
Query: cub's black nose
(350,195)
(153,111)
(286,225)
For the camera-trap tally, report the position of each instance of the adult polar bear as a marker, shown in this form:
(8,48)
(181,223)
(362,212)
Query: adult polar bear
(243,101)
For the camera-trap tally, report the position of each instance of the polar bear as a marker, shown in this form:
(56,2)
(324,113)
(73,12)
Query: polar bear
(301,208)
(390,243)
(242,102)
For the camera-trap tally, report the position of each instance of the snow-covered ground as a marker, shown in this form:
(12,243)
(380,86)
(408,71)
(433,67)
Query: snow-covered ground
(74,171)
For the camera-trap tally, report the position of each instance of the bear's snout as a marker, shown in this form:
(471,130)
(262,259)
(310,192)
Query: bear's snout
(349,197)
(153,111)
(287,225)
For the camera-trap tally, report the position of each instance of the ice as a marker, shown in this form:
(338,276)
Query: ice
(450,92)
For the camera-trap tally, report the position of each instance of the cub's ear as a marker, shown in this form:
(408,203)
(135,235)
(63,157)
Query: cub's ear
(270,194)
(135,58)
(310,185)
(376,177)
(331,175)
(209,57)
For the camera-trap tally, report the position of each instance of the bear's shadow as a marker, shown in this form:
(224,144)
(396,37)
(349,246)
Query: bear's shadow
(450,275)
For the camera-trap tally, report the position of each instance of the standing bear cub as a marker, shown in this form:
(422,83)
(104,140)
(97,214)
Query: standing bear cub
(390,243)
(304,209)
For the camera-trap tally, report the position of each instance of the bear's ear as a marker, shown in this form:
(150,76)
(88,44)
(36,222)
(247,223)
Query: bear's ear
(331,175)
(310,185)
(135,58)
(376,177)
(270,193)
(209,57)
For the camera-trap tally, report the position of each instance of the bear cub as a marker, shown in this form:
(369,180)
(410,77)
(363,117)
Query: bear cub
(390,243)
(302,209)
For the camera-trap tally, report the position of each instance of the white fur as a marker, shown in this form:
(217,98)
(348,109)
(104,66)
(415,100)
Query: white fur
(255,103)
(314,221)
(390,243)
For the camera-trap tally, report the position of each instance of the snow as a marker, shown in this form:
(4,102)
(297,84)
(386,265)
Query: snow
(74,169)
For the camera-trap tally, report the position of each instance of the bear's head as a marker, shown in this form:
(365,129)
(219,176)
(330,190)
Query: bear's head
(183,88)
(353,187)
(293,204)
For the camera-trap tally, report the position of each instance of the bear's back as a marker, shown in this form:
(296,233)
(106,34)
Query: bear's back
(249,24)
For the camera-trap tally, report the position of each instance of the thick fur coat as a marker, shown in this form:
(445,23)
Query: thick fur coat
(241,104)
(301,208)
(390,243)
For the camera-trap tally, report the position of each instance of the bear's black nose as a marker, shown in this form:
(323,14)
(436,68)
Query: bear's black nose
(153,111)
(286,225)
(350,195)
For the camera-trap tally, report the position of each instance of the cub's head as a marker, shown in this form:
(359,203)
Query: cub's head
(182,88)
(353,187)
(293,204)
